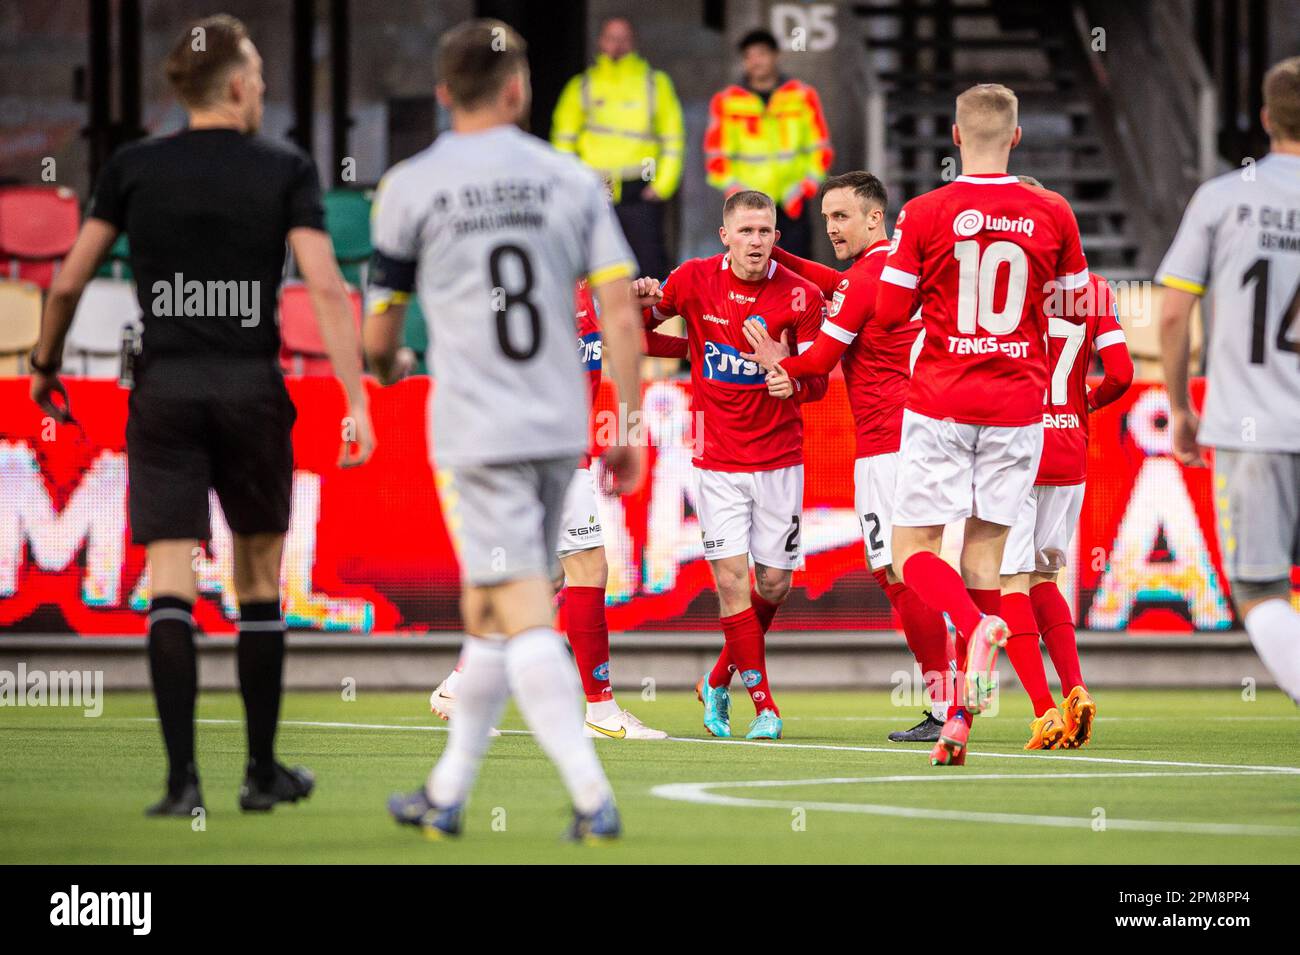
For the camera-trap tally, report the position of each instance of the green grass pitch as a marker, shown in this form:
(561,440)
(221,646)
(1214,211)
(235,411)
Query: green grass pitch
(1172,776)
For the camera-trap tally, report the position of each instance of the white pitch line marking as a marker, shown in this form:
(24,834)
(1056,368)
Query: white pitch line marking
(896,750)
(1099,719)
(701,794)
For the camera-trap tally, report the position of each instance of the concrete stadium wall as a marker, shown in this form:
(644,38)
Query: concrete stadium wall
(670,660)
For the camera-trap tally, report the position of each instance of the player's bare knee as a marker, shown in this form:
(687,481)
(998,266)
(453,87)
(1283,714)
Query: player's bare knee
(732,578)
(1015,583)
(772,584)
(476,612)
(256,569)
(585,568)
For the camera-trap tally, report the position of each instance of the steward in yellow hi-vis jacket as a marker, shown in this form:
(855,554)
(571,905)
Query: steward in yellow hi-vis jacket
(622,118)
(768,134)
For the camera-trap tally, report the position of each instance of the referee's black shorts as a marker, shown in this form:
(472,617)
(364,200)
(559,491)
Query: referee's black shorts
(217,422)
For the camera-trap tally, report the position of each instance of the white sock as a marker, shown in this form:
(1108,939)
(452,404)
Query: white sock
(940,711)
(601,710)
(545,687)
(1274,629)
(480,697)
(453,680)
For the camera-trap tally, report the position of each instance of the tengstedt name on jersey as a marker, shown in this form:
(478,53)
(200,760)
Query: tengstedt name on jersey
(501,204)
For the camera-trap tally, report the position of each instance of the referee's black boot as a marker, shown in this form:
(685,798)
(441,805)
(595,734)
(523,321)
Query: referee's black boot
(926,731)
(261,790)
(180,800)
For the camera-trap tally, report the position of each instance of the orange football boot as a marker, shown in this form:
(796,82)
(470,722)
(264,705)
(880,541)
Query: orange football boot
(1047,731)
(1080,710)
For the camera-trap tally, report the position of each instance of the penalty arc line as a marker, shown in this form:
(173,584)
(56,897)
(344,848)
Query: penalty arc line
(700,793)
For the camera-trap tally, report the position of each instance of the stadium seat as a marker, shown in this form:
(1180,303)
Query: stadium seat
(118,263)
(95,339)
(302,351)
(415,335)
(20,325)
(38,225)
(347,218)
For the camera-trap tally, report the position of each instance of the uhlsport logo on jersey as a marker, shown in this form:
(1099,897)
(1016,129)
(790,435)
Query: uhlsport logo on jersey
(751,678)
(973,222)
(589,351)
(722,362)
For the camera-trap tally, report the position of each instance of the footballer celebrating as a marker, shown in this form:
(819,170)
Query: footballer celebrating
(877,364)
(1039,541)
(582,550)
(982,256)
(749,470)
(499,227)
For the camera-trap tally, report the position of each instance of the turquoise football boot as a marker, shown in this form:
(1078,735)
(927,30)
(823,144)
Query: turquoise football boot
(717,708)
(766,725)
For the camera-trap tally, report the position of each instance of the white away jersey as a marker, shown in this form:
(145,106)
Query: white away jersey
(1240,238)
(495,228)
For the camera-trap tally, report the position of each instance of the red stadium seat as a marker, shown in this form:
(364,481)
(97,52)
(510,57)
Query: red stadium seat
(38,225)
(302,351)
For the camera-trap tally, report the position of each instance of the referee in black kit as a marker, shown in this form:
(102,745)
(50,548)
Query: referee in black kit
(208,212)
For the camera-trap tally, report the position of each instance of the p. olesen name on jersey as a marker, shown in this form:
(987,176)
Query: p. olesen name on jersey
(503,204)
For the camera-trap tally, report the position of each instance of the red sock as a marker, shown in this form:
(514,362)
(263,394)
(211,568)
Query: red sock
(764,609)
(988,601)
(745,643)
(584,618)
(1057,625)
(927,637)
(723,670)
(941,587)
(1023,652)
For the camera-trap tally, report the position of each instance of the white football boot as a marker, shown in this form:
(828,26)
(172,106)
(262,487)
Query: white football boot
(619,725)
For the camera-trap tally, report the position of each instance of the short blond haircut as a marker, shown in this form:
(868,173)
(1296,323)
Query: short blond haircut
(747,199)
(1282,99)
(987,114)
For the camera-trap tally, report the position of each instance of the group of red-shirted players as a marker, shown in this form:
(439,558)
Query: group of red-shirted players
(965,341)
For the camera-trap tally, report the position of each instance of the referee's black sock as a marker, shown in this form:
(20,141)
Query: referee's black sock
(174,670)
(261,673)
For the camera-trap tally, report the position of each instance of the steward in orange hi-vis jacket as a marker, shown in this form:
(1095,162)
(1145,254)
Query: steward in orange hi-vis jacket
(780,147)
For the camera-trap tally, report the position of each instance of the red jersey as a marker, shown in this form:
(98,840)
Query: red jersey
(587,318)
(745,428)
(589,354)
(876,360)
(987,256)
(1069,350)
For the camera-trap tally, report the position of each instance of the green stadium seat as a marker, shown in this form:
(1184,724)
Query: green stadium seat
(347,218)
(118,263)
(415,335)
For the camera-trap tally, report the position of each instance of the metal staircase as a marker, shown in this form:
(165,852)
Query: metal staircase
(920,54)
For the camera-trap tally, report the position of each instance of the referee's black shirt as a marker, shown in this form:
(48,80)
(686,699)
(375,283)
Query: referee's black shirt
(214,207)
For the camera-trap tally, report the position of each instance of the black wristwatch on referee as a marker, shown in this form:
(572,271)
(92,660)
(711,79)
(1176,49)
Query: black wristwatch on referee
(50,369)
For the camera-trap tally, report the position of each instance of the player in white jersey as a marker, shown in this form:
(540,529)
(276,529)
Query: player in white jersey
(1240,240)
(498,226)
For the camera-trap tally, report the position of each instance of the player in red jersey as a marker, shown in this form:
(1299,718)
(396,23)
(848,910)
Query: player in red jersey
(1039,541)
(749,469)
(983,255)
(582,550)
(877,364)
